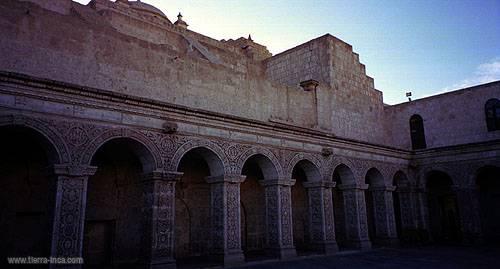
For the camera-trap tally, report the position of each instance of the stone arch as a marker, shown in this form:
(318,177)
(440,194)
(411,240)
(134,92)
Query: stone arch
(429,172)
(403,214)
(387,170)
(28,147)
(423,174)
(203,165)
(257,165)
(211,152)
(310,165)
(56,146)
(442,206)
(357,167)
(304,169)
(147,151)
(400,178)
(266,167)
(374,178)
(344,173)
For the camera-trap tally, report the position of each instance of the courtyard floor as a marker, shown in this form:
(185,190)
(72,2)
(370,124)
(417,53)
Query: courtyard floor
(407,258)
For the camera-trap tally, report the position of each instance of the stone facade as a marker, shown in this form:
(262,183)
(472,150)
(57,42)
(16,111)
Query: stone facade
(134,140)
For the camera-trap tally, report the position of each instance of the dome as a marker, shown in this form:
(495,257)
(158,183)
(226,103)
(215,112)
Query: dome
(143,7)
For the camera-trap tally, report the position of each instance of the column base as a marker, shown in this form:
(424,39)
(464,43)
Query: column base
(283,253)
(167,263)
(230,259)
(387,242)
(326,248)
(359,244)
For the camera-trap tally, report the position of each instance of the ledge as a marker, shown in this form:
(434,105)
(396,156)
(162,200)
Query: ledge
(105,95)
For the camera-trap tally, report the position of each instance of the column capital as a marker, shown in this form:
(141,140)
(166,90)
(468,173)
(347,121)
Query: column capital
(316,184)
(73,170)
(162,175)
(277,181)
(353,186)
(235,178)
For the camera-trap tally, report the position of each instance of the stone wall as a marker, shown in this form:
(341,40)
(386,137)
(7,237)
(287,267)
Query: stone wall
(449,119)
(126,55)
(347,103)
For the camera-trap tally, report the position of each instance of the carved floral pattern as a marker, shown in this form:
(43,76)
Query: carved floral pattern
(272,207)
(69,218)
(316,213)
(286,216)
(46,129)
(233,216)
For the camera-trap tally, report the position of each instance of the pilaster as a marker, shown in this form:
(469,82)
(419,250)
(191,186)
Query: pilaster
(225,212)
(279,217)
(321,218)
(469,212)
(159,218)
(355,216)
(69,211)
(385,223)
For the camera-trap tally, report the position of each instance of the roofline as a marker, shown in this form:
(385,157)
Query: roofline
(475,87)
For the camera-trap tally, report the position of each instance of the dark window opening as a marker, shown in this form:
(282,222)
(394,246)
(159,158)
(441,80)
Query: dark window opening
(417,132)
(492,109)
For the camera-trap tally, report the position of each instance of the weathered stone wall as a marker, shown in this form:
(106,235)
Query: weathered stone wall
(449,119)
(138,84)
(126,55)
(347,103)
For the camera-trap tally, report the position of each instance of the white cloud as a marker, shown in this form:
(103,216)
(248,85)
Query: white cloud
(486,72)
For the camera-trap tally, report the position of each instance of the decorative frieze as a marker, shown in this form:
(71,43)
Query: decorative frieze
(355,215)
(385,223)
(159,218)
(69,211)
(279,217)
(322,221)
(225,217)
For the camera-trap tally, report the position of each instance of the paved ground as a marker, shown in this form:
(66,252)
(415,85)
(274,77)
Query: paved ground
(404,258)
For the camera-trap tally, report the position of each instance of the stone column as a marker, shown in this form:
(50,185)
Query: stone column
(279,217)
(69,211)
(158,219)
(422,214)
(405,207)
(355,216)
(407,213)
(469,213)
(385,223)
(322,223)
(225,217)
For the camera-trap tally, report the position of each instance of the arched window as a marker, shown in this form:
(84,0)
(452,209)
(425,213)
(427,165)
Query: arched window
(492,109)
(417,132)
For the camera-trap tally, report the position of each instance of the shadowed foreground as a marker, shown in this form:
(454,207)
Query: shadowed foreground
(425,257)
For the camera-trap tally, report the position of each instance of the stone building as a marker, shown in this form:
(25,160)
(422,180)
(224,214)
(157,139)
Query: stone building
(126,138)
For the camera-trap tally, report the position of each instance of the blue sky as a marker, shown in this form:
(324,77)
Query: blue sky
(427,47)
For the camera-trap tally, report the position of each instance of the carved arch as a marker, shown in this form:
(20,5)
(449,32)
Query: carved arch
(400,177)
(424,173)
(386,169)
(199,143)
(357,167)
(103,138)
(311,159)
(238,166)
(62,154)
(375,178)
